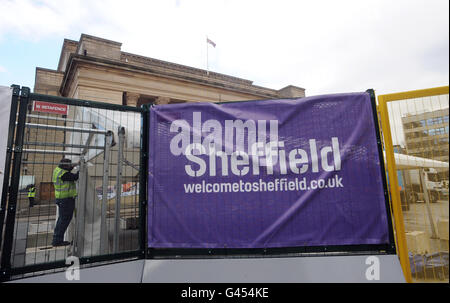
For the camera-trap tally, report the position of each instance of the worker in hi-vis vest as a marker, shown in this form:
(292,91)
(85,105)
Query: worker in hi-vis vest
(65,193)
(31,194)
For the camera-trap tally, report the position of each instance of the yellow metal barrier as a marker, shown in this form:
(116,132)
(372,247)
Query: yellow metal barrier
(415,126)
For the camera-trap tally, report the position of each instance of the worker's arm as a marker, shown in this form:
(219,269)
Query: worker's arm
(70,177)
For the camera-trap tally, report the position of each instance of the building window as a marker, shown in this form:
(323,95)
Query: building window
(434,121)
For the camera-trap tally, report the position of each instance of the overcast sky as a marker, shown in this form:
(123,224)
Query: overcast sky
(322,46)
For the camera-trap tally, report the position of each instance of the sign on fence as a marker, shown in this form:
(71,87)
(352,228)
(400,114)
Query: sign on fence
(52,108)
(257,174)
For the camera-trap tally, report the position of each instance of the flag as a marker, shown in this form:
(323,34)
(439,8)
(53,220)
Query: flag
(210,42)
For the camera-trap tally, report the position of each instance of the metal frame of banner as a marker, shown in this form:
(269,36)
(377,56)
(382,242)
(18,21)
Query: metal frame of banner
(357,249)
(20,101)
(392,248)
(143,194)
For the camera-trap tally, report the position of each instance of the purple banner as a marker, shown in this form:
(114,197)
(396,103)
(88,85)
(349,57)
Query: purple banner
(257,174)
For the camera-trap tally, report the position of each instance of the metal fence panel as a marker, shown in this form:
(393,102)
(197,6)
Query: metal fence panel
(105,142)
(416,136)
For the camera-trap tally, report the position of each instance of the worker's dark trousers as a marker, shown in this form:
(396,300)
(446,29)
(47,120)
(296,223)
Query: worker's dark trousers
(65,208)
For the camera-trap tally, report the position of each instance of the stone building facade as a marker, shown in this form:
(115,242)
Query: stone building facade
(96,69)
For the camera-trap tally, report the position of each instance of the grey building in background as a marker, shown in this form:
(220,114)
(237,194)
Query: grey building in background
(426,134)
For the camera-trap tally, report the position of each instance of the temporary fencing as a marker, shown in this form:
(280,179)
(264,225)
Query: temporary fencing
(104,141)
(415,127)
(110,146)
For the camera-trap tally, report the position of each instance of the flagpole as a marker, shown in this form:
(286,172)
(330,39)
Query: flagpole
(207,68)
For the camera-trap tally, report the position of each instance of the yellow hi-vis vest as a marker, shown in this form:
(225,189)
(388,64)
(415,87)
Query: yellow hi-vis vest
(63,189)
(32,192)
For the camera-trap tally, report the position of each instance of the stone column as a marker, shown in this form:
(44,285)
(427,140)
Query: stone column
(132,99)
(162,100)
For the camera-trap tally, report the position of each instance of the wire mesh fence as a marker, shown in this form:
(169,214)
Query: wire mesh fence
(104,148)
(105,143)
(419,126)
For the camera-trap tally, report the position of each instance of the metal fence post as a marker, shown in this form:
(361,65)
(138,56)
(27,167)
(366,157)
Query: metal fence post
(427,199)
(121,135)
(103,229)
(14,188)
(392,247)
(143,199)
(80,209)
